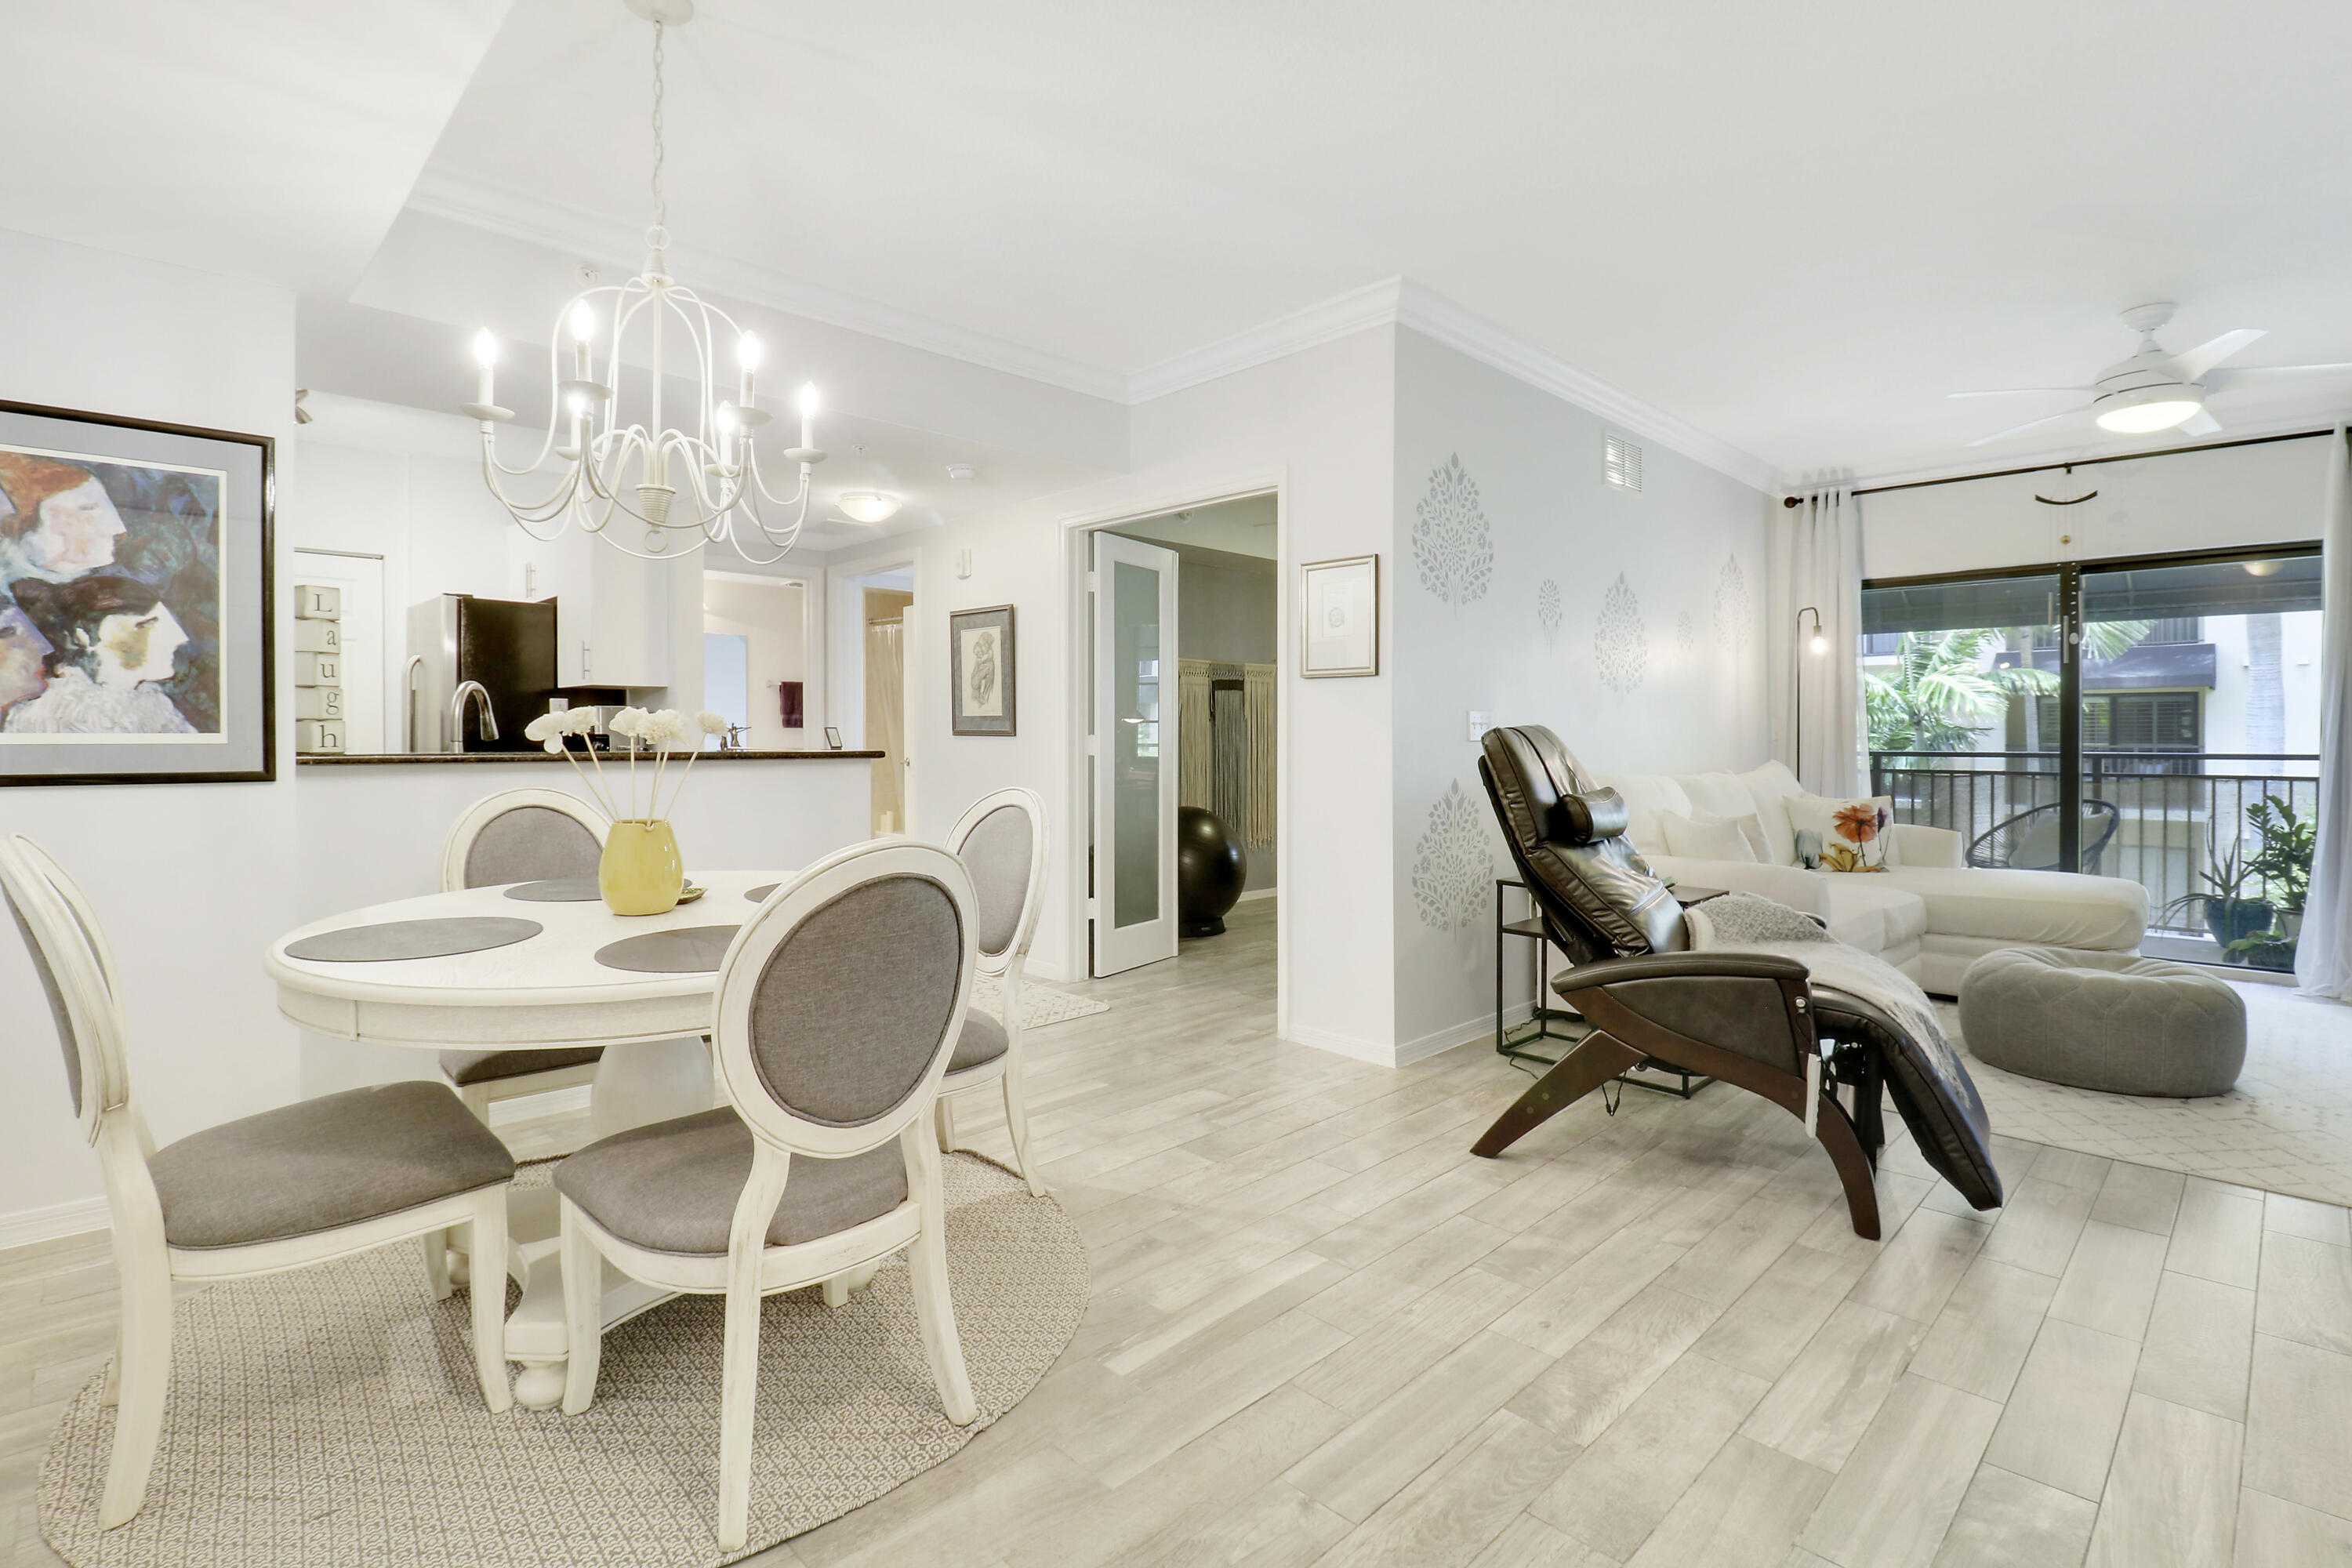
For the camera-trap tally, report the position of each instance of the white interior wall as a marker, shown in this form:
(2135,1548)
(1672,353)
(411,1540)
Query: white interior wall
(1628,622)
(188,878)
(2210,499)
(1319,425)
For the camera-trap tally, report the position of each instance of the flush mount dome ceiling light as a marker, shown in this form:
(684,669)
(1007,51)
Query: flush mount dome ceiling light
(648,488)
(865,506)
(2154,390)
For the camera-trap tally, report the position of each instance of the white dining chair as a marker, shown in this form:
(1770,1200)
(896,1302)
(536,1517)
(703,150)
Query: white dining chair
(1002,842)
(308,1182)
(520,836)
(838,1004)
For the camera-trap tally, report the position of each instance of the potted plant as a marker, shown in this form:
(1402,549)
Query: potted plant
(2230,915)
(2283,859)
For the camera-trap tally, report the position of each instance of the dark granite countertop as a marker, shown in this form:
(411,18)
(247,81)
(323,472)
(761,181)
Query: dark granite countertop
(398,759)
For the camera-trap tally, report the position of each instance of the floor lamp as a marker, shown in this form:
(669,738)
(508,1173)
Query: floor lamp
(1817,645)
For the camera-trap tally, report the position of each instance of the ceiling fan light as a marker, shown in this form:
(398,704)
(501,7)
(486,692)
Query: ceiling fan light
(865,506)
(2143,414)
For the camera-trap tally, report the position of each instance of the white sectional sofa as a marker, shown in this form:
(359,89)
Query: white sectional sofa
(1929,914)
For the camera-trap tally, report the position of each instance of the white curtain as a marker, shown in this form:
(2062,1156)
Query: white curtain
(2323,951)
(1816,567)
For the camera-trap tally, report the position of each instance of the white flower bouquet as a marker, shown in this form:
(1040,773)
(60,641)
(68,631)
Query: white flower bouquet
(662,731)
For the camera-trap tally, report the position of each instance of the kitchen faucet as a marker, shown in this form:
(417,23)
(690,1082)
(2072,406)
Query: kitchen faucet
(458,714)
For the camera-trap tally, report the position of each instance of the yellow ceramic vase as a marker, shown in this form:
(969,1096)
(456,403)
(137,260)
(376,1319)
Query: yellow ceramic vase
(641,873)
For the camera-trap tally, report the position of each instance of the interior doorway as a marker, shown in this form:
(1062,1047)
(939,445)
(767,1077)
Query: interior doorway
(887,610)
(1183,729)
(756,657)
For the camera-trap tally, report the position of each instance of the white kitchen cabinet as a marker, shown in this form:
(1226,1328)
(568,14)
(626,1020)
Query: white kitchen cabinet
(611,611)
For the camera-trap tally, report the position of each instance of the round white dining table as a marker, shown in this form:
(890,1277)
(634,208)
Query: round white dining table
(547,992)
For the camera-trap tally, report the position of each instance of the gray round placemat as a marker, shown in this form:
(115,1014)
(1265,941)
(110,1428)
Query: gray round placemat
(689,950)
(412,939)
(759,895)
(557,891)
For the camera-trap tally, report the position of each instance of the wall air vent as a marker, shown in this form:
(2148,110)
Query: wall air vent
(1621,461)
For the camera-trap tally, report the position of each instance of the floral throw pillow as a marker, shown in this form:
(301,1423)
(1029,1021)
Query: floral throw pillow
(1841,835)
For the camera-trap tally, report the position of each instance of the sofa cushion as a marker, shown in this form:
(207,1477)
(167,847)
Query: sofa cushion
(1717,794)
(2047,909)
(1841,835)
(1646,796)
(1706,837)
(1868,913)
(1768,789)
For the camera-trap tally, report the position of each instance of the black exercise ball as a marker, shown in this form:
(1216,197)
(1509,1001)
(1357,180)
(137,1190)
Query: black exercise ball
(1210,871)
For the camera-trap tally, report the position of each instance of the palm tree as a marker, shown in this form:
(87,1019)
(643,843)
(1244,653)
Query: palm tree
(1940,695)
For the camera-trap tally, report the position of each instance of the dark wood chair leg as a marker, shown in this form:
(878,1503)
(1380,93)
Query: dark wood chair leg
(1836,1132)
(1596,1060)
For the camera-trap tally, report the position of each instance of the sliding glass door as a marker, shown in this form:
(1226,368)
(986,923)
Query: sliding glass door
(2155,721)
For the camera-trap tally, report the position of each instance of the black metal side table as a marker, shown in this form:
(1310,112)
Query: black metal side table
(1518,1041)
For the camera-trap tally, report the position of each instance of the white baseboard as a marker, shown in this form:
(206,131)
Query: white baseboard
(79,1218)
(1470,1031)
(1256,893)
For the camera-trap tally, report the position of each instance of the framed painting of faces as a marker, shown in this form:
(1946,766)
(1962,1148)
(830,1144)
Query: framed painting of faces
(980,663)
(135,615)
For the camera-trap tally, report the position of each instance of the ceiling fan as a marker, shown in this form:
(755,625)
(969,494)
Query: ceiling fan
(2153,390)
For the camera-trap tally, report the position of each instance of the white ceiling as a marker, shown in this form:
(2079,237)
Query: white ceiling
(1244,527)
(1793,227)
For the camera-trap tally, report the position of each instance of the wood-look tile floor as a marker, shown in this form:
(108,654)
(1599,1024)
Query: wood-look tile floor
(1323,1333)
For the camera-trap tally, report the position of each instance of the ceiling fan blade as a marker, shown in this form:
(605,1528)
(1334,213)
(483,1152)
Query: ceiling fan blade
(2015,391)
(2191,364)
(2201,423)
(2216,379)
(2018,429)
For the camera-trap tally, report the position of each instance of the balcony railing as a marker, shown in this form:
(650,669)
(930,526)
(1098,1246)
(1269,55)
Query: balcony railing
(2172,824)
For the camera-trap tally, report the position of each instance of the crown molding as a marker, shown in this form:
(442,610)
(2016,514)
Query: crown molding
(532,219)
(1434,316)
(1341,316)
(1393,302)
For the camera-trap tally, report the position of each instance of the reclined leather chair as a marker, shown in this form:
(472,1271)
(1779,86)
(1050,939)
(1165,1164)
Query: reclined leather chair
(1752,1020)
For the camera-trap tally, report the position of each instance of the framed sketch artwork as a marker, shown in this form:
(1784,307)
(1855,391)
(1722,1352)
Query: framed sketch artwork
(980,661)
(1340,616)
(135,610)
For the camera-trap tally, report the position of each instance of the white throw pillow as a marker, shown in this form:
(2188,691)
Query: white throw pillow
(1711,837)
(1841,835)
(1769,787)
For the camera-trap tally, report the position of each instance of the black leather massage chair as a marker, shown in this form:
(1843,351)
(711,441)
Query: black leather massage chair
(1749,1019)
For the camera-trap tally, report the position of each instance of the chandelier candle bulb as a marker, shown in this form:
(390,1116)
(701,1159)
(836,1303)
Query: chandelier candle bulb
(485,361)
(747,354)
(808,414)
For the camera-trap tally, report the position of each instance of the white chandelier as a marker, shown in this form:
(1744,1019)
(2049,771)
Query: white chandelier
(689,488)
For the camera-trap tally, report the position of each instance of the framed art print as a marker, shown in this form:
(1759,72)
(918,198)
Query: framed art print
(833,737)
(1340,616)
(979,667)
(135,612)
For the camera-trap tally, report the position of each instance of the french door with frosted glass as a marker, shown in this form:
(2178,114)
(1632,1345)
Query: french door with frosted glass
(1132,744)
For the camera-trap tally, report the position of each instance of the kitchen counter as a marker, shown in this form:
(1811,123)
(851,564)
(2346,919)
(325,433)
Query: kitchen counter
(374,759)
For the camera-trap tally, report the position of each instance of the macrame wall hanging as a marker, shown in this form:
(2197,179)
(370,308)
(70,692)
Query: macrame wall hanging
(1225,746)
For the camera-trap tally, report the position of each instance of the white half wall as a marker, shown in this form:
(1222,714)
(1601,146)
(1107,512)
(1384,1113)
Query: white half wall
(1528,589)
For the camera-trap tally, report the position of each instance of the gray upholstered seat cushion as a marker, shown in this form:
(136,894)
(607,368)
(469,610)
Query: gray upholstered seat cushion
(490,1067)
(321,1164)
(531,844)
(2103,1021)
(983,1040)
(997,854)
(672,1187)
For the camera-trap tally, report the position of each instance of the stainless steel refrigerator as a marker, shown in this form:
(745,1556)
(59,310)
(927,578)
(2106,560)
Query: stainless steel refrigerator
(506,644)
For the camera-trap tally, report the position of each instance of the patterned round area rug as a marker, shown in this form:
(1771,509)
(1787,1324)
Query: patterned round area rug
(331,1416)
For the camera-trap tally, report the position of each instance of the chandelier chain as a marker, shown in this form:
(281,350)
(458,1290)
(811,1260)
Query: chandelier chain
(661,202)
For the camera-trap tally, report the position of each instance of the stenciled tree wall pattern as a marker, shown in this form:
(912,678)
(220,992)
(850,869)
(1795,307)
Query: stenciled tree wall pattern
(1451,863)
(1547,611)
(1733,613)
(1619,642)
(1452,544)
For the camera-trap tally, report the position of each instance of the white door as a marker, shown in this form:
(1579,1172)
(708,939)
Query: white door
(1133,745)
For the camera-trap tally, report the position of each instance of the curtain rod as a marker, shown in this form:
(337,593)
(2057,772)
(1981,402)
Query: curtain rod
(2080,463)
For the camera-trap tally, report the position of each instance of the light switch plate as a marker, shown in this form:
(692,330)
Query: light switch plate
(1479,724)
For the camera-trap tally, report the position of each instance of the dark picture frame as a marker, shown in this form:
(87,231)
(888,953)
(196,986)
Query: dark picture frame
(163,551)
(833,737)
(982,671)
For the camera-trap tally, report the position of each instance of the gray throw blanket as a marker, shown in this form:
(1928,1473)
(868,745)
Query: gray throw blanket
(1746,922)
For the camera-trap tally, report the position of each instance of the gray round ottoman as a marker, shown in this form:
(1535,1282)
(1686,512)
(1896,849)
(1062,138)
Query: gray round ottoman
(2104,1020)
